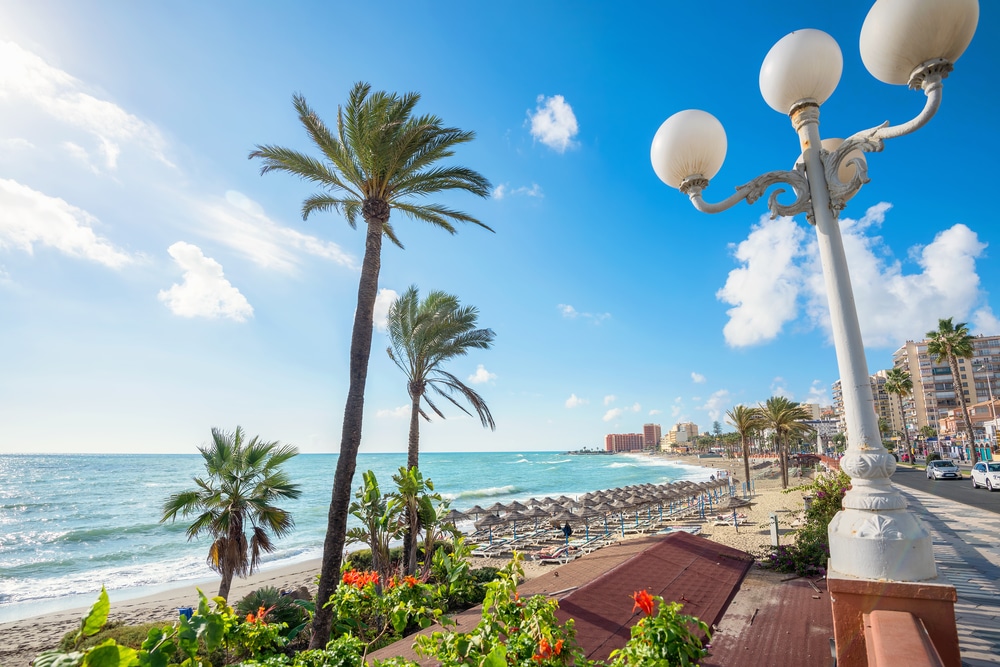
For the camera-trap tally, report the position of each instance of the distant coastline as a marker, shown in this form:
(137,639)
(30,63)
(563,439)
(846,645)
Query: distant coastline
(589,452)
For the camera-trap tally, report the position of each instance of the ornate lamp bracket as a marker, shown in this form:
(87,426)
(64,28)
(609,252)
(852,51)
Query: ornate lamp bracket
(753,191)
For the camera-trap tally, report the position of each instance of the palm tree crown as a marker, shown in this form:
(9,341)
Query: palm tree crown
(950,342)
(382,157)
(785,417)
(424,336)
(244,480)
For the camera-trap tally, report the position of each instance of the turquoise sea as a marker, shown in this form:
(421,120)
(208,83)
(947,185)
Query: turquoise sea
(70,523)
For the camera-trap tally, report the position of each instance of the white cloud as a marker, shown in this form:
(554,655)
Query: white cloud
(504,190)
(655,412)
(383,301)
(817,393)
(481,375)
(781,269)
(778,388)
(16,144)
(401,412)
(764,290)
(574,401)
(985,322)
(715,406)
(569,312)
(553,123)
(242,224)
(205,292)
(27,80)
(29,218)
(609,399)
(697,378)
(614,413)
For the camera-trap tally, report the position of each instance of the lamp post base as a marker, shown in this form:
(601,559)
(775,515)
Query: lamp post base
(889,545)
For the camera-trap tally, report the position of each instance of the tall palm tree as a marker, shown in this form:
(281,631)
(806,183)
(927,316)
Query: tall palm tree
(244,480)
(382,157)
(899,382)
(425,335)
(746,421)
(784,417)
(951,342)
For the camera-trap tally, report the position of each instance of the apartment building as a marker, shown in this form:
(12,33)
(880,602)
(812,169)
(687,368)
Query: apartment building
(651,435)
(934,392)
(885,405)
(624,442)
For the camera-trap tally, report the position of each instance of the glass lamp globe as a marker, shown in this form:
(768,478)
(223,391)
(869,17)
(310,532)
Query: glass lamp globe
(689,143)
(900,35)
(803,64)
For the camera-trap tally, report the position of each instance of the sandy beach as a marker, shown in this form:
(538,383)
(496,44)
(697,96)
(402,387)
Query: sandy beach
(21,641)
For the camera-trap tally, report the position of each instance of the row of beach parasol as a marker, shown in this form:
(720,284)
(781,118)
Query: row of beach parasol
(649,499)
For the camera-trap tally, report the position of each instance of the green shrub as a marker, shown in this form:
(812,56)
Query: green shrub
(932,456)
(362,559)
(280,608)
(811,550)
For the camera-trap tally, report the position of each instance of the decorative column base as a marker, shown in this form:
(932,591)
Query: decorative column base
(888,544)
(852,598)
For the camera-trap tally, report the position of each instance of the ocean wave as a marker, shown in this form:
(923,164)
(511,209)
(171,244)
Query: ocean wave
(555,462)
(483,493)
(620,465)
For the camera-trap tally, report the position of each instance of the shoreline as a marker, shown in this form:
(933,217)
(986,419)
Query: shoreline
(25,638)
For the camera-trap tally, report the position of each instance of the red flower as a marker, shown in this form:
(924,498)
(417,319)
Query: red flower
(410,580)
(544,650)
(359,579)
(643,601)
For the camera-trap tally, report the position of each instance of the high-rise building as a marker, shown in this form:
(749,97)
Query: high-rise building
(651,434)
(682,434)
(885,405)
(624,442)
(934,387)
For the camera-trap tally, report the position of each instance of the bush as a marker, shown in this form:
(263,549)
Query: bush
(811,550)
(281,608)
(932,456)
(362,559)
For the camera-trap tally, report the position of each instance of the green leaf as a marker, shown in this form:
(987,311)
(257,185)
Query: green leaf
(109,654)
(96,618)
(497,657)
(58,659)
(214,631)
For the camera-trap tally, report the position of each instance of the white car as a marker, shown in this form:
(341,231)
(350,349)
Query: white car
(943,469)
(986,474)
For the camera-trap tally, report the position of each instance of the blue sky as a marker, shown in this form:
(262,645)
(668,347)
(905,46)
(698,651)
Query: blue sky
(154,285)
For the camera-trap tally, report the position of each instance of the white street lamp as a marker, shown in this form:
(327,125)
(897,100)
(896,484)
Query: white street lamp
(914,42)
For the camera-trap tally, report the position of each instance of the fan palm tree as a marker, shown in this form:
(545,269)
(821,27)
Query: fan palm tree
(899,382)
(425,335)
(382,157)
(784,417)
(244,480)
(949,342)
(746,421)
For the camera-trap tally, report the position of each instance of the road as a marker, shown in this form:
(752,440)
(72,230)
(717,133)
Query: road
(959,490)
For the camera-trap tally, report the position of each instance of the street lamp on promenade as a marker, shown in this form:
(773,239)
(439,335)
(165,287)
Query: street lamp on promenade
(913,42)
(993,406)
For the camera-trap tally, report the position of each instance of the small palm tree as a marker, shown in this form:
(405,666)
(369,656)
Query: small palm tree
(244,480)
(784,417)
(746,421)
(950,342)
(425,335)
(899,382)
(382,157)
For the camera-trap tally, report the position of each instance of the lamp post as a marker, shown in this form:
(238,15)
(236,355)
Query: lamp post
(914,42)
(993,407)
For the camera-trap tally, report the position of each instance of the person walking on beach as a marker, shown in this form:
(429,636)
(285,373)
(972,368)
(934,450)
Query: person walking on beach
(567,531)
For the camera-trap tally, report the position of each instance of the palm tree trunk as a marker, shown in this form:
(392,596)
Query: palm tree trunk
(746,459)
(350,441)
(960,393)
(412,458)
(783,447)
(906,433)
(226,584)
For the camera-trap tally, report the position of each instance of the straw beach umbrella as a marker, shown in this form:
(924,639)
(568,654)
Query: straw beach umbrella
(488,522)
